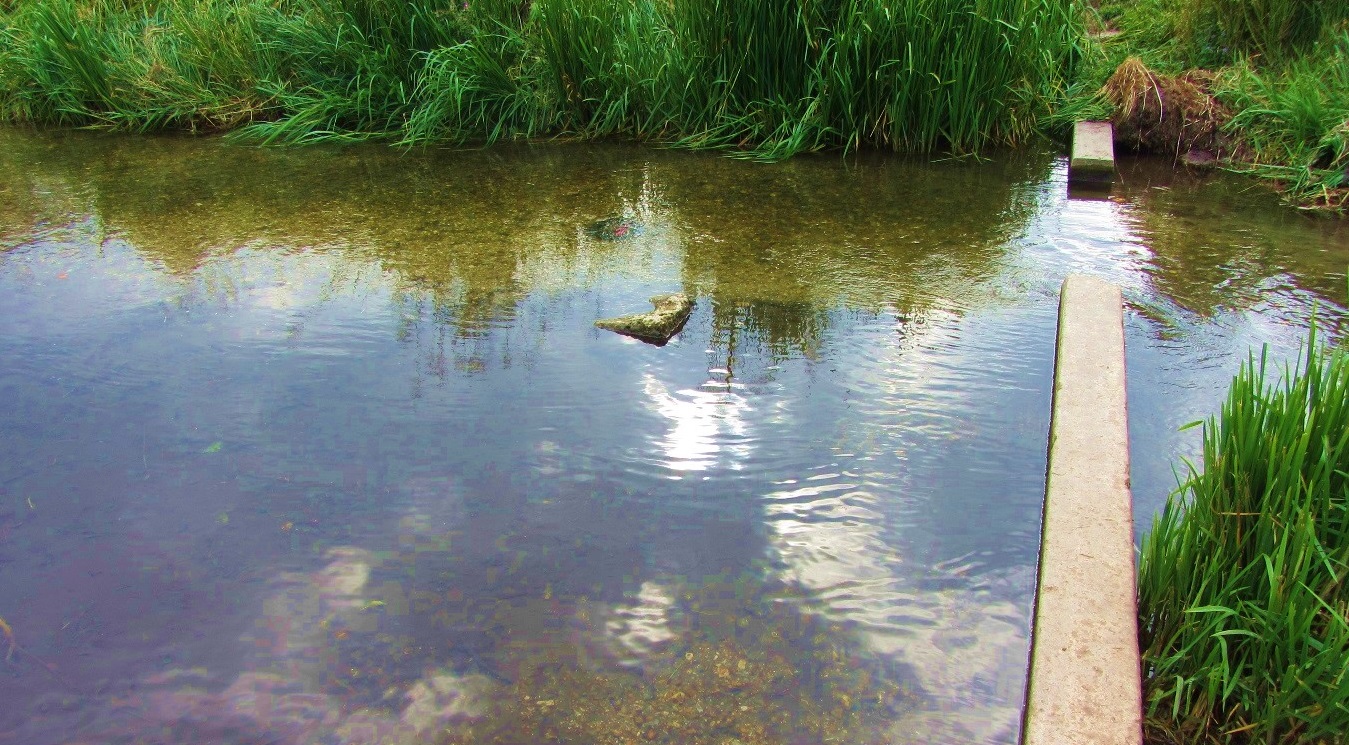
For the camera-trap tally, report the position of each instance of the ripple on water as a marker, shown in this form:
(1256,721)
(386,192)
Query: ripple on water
(327,449)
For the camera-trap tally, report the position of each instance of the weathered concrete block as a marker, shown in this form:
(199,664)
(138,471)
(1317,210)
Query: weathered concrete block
(1085,686)
(1093,157)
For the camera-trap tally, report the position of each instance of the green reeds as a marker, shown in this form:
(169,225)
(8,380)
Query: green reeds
(347,69)
(491,87)
(1273,29)
(55,70)
(766,77)
(182,65)
(1242,580)
(1295,121)
(911,75)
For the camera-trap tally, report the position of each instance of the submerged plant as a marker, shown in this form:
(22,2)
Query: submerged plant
(8,634)
(745,672)
(1242,580)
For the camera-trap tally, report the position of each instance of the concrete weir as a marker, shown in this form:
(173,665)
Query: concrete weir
(1093,157)
(1084,674)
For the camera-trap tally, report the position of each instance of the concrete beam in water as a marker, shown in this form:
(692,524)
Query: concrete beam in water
(1093,157)
(1084,675)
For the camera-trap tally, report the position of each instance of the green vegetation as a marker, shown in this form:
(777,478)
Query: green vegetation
(1243,598)
(763,76)
(1261,83)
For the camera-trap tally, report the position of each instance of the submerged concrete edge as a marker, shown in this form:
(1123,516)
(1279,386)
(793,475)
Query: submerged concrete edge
(1084,686)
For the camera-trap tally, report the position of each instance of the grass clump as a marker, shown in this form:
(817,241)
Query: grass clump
(1295,122)
(1166,113)
(185,65)
(1243,598)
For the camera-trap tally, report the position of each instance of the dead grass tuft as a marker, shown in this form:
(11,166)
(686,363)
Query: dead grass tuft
(1169,114)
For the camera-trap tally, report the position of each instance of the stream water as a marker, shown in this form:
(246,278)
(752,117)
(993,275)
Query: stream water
(321,446)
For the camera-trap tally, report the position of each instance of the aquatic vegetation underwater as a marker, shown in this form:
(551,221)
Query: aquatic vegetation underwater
(742,679)
(1242,595)
(328,664)
(762,76)
(13,645)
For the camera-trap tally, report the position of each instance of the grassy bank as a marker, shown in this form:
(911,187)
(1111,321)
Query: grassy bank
(764,76)
(1263,85)
(1243,590)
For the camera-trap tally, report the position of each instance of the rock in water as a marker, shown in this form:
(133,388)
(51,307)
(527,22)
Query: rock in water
(656,327)
(614,229)
(1197,158)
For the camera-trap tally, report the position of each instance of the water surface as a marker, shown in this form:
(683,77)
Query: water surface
(321,445)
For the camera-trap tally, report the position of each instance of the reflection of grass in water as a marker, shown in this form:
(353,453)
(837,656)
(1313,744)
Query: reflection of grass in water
(803,234)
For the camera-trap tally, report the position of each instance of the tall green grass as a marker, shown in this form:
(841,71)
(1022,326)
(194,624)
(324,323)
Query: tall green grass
(1295,120)
(1242,580)
(1272,29)
(180,65)
(767,77)
(347,69)
(491,87)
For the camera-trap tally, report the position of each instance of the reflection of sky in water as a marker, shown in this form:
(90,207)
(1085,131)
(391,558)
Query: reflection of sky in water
(322,443)
(706,426)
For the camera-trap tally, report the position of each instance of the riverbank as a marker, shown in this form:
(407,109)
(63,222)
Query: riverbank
(1257,86)
(748,76)
(1241,581)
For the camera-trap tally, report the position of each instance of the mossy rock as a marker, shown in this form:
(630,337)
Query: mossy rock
(656,327)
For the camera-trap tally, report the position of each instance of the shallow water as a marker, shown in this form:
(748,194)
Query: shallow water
(321,445)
